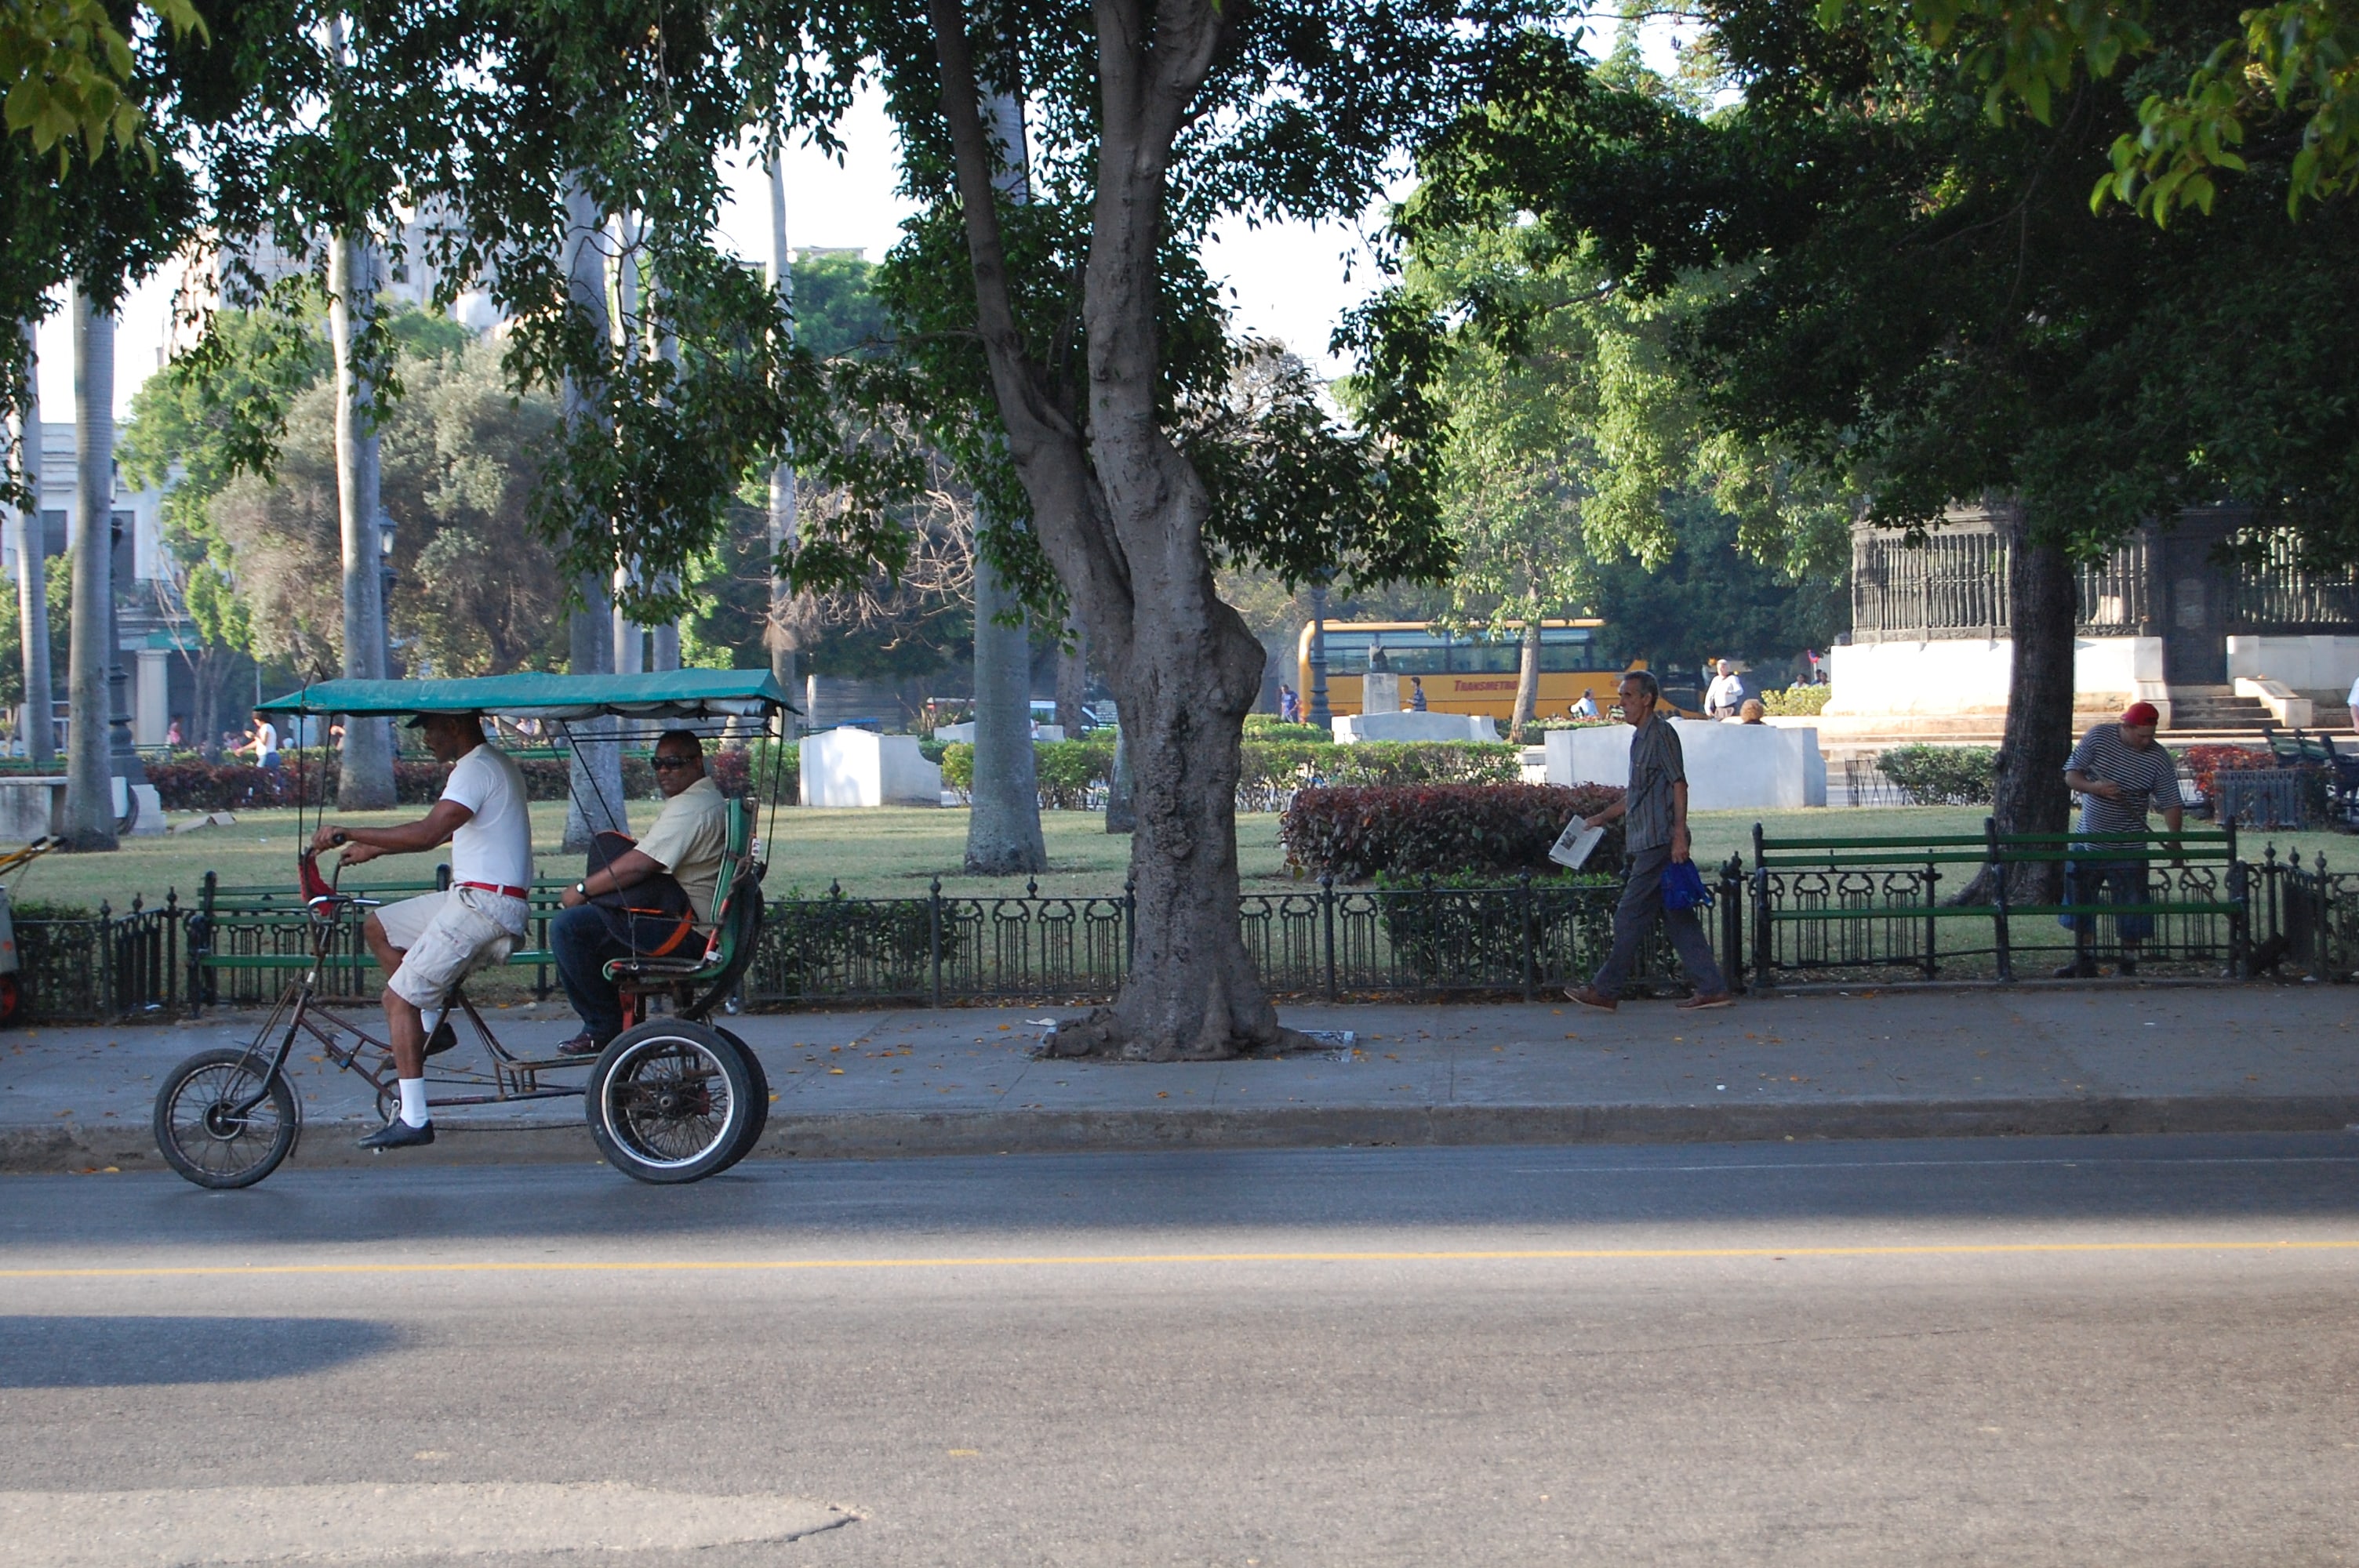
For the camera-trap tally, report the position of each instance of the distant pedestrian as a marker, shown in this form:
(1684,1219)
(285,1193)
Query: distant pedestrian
(1654,814)
(2120,774)
(264,744)
(1726,694)
(172,736)
(2353,700)
(1752,712)
(1417,694)
(1587,707)
(1290,707)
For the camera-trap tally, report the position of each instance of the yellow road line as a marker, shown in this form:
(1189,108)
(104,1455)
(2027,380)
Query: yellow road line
(1515,1255)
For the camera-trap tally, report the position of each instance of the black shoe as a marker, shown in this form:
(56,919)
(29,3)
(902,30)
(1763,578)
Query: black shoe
(399,1134)
(2077,972)
(445,1038)
(2127,967)
(583,1045)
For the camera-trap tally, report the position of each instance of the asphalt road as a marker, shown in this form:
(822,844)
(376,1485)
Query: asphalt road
(2108,1350)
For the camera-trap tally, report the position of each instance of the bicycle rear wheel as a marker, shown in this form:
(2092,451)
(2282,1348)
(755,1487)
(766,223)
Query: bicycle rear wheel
(203,1133)
(669,1101)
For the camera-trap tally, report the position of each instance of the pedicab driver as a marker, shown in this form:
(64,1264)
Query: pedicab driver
(428,945)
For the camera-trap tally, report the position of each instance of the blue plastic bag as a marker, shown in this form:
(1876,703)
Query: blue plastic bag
(1683,887)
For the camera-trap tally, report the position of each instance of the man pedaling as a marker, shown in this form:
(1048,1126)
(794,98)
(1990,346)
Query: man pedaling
(429,943)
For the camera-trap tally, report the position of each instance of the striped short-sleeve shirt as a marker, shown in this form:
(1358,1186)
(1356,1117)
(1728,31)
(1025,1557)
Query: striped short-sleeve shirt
(2149,781)
(1657,763)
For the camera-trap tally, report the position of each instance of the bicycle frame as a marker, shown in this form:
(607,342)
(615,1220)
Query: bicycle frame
(344,1043)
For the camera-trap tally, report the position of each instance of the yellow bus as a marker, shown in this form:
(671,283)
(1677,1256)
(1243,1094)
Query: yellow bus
(1463,672)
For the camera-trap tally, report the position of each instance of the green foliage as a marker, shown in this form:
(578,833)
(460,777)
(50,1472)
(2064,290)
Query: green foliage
(1269,726)
(2286,74)
(67,73)
(1797,701)
(57,589)
(475,593)
(1941,776)
(1910,306)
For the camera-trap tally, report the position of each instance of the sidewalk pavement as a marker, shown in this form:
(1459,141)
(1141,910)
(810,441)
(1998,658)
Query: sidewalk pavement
(1902,1062)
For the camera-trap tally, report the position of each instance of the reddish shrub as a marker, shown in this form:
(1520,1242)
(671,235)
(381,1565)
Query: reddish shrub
(1439,829)
(2204,761)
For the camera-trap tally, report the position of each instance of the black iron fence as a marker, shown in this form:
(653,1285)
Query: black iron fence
(1525,937)
(1431,938)
(111,965)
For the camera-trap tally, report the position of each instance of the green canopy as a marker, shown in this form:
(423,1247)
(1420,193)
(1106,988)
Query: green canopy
(662,694)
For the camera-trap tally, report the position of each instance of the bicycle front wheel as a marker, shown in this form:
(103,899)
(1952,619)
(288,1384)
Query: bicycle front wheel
(219,1124)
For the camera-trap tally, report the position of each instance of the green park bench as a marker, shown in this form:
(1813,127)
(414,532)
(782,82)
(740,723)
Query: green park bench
(1838,906)
(264,930)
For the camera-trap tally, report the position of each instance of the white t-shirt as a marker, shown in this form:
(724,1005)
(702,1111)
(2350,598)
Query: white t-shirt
(1725,691)
(495,844)
(265,739)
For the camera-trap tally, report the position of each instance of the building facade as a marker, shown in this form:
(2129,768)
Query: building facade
(2165,618)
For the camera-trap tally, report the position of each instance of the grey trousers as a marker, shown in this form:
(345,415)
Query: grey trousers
(1642,902)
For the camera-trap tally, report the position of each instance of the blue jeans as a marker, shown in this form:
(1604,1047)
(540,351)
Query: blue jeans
(583,941)
(2108,882)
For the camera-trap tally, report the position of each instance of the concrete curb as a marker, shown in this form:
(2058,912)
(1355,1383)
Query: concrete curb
(328,1145)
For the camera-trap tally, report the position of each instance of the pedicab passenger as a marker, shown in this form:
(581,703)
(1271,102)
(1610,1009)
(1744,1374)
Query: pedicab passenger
(429,943)
(616,911)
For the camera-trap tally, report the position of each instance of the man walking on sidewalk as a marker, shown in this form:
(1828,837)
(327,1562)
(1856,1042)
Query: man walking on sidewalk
(1654,815)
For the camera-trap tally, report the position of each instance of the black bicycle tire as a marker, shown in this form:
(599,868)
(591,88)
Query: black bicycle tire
(280,1093)
(637,1049)
(758,1104)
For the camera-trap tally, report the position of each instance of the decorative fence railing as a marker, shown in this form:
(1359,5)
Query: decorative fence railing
(1526,937)
(1324,941)
(112,966)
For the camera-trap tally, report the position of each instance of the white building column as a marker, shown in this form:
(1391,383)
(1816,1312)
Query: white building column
(151,702)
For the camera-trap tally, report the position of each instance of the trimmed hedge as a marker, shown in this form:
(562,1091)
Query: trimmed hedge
(187,783)
(1356,833)
(1941,776)
(1269,772)
(1797,701)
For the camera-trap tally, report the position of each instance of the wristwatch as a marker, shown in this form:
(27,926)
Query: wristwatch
(583,887)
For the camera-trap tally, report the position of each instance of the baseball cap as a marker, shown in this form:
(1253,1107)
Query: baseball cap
(2141,713)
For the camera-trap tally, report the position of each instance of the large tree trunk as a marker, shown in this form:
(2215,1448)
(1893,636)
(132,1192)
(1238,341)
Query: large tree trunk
(90,782)
(1121,518)
(1072,677)
(364,779)
(784,626)
(1003,831)
(39,728)
(2028,794)
(1528,681)
(594,801)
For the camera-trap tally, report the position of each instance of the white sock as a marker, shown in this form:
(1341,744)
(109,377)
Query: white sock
(413,1102)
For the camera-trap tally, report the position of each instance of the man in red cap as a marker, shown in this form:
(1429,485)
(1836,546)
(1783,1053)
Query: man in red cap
(2120,774)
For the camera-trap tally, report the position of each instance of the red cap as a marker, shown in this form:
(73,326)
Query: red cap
(2141,713)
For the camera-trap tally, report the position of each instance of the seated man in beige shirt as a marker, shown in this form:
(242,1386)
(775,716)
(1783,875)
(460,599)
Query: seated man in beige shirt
(687,844)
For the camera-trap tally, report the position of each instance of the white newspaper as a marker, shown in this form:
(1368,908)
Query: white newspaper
(1572,846)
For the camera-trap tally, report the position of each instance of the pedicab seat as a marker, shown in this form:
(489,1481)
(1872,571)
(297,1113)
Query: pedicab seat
(696,983)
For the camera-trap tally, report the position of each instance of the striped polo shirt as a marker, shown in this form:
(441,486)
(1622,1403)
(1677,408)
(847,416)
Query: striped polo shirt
(2149,781)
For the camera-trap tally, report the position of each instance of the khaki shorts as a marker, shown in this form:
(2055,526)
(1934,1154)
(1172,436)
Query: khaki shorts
(446,936)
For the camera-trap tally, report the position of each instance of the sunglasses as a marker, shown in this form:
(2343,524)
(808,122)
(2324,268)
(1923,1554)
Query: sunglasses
(667,764)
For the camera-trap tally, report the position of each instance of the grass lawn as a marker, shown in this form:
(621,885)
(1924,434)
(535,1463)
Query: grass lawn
(889,853)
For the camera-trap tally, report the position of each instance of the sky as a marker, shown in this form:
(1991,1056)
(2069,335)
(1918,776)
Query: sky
(1292,282)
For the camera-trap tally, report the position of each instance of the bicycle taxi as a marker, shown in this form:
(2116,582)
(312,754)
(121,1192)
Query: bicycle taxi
(674,1098)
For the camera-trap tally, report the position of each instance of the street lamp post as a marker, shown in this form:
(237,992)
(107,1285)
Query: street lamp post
(1319,712)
